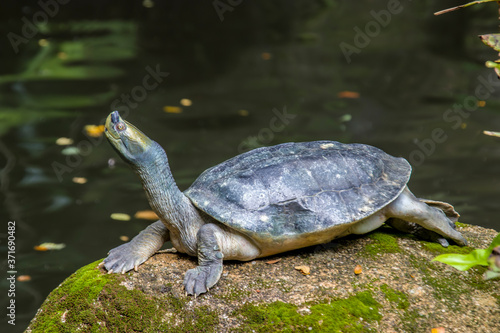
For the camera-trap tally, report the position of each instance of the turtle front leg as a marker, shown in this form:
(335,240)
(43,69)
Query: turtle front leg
(123,258)
(427,214)
(215,243)
(200,279)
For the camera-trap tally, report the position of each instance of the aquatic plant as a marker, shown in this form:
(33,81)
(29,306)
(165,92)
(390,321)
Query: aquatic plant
(478,257)
(492,40)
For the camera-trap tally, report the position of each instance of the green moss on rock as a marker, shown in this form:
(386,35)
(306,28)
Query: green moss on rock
(353,314)
(462,225)
(438,249)
(400,299)
(91,301)
(383,242)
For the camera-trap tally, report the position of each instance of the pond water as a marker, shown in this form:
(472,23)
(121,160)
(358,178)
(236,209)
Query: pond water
(395,77)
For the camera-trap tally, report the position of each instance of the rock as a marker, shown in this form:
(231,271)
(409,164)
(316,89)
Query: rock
(415,294)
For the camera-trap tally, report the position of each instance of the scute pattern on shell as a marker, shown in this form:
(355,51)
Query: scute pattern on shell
(299,188)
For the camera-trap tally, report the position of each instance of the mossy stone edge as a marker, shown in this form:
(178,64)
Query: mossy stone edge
(400,289)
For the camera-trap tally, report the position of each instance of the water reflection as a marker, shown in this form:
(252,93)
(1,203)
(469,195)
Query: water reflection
(262,57)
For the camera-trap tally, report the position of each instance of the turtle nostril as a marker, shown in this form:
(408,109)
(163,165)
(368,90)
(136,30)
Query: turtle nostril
(115,116)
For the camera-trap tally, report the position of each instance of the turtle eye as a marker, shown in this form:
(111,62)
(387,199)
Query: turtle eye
(120,126)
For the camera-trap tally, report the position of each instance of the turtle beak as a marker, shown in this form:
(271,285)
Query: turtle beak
(114,117)
(111,121)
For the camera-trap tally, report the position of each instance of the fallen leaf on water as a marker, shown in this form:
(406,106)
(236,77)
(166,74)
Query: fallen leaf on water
(94,130)
(120,216)
(172,109)
(305,270)
(186,102)
(348,94)
(124,238)
(70,151)
(266,55)
(270,262)
(481,103)
(358,269)
(79,180)
(345,118)
(490,133)
(49,246)
(243,113)
(146,215)
(23,278)
(64,141)
(438,330)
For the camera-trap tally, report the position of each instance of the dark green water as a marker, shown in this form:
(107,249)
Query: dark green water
(418,77)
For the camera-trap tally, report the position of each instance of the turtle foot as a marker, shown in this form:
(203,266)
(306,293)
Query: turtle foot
(123,258)
(198,280)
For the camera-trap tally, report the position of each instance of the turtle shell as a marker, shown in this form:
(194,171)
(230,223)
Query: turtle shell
(294,189)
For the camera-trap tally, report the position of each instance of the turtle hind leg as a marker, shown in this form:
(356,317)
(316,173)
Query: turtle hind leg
(421,232)
(427,214)
(417,230)
(447,209)
(123,258)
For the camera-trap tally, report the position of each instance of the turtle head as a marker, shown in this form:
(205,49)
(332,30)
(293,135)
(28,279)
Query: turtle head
(131,144)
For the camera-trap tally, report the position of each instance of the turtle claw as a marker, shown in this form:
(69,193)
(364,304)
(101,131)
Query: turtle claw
(124,258)
(443,242)
(200,279)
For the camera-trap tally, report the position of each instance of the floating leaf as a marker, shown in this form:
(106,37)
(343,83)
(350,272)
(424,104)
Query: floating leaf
(348,94)
(266,56)
(345,118)
(70,151)
(146,215)
(305,270)
(490,133)
(23,278)
(120,217)
(79,180)
(148,3)
(94,131)
(172,109)
(358,269)
(43,42)
(49,246)
(64,141)
(243,113)
(270,262)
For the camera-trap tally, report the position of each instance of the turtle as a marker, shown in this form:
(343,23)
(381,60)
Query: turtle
(270,200)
